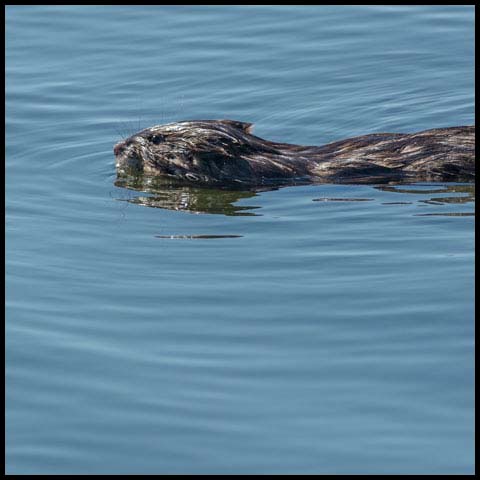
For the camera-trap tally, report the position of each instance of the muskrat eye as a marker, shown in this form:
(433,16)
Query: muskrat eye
(156,139)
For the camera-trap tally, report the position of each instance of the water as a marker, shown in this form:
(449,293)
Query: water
(234,332)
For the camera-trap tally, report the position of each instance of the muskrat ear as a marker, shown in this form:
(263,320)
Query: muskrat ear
(246,127)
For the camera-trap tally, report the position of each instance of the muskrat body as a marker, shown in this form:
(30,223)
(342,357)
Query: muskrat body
(225,152)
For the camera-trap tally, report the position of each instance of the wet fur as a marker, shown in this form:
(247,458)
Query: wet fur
(225,152)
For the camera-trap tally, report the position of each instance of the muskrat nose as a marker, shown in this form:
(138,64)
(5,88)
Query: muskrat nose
(119,148)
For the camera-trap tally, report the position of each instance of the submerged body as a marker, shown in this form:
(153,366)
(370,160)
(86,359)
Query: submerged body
(225,153)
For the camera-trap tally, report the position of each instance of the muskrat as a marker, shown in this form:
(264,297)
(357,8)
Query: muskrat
(225,152)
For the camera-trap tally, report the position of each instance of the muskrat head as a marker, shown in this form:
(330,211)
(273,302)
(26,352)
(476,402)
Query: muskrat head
(209,151)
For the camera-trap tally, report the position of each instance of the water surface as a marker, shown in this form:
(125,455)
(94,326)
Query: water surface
(154,330)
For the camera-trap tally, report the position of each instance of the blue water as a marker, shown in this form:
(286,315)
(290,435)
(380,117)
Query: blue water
(324,336)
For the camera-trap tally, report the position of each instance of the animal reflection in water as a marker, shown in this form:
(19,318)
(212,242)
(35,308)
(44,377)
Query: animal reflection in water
(171,196)
(190,199)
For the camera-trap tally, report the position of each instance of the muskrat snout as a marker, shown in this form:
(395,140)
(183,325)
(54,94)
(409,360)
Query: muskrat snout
(119,148)
(126,160)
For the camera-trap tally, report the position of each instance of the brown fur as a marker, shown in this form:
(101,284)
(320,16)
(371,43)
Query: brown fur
(224,152)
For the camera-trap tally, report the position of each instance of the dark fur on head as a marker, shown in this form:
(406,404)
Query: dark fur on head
(209,151)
